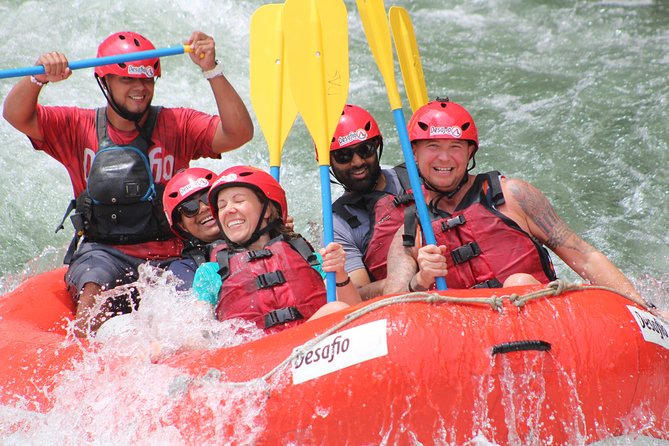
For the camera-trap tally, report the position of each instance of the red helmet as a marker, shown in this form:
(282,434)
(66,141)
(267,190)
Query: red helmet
(123,43)
(180,188)
(442,119)
(355,126)
(251,177)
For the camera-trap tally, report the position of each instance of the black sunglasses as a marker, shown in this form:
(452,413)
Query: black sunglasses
(191,207)
(364,150)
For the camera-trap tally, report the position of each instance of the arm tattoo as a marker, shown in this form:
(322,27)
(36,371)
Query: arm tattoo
(537,207)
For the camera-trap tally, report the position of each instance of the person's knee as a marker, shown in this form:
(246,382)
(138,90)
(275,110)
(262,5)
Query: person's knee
(519,279)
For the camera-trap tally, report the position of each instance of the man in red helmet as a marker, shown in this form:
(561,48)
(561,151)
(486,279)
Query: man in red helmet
(371,209)
(119,158)
(490,230)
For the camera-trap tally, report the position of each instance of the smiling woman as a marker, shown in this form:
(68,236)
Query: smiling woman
(262,271)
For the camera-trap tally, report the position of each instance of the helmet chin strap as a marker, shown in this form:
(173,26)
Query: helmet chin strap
(257,232)
(134,117)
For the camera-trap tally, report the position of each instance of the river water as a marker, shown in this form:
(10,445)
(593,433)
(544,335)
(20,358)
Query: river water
(570,95)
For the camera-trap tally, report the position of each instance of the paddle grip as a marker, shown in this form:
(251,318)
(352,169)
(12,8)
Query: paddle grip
(421,207)
(328,230)
(97,61)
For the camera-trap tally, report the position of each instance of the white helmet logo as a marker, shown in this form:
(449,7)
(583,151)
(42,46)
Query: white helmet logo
(200,183)
(454,131)
(143,70)
(358,135)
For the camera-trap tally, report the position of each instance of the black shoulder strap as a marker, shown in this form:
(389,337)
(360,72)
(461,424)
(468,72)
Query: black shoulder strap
(304,249)
(223,260)
(410,222)
(494,193)
(403,176)
(339,208)
(143,140)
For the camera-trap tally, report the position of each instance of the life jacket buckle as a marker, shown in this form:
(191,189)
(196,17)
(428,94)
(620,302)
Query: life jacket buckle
(465,252)
(453,222)
(281,316)
(268,280)
(490,283)
(259,254)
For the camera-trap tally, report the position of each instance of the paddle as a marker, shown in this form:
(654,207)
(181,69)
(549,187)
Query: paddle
(270,93)
(407,53)
(375,24)
(316,33)
(99,61)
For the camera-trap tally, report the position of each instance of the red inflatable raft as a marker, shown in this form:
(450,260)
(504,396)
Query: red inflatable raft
(536,367)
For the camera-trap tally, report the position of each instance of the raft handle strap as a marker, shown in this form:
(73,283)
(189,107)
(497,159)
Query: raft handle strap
(518,346)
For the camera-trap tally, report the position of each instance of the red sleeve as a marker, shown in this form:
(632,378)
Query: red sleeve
(68,133)
(192,132)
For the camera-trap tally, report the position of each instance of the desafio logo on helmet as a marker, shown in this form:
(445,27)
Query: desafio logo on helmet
(358,135)
(197,184)
(452,130)
(143,70)
(225,179)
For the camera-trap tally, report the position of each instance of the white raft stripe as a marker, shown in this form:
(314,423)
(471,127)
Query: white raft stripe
(341,350)
(653,329)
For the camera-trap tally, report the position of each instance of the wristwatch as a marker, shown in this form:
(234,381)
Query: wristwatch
(214,72)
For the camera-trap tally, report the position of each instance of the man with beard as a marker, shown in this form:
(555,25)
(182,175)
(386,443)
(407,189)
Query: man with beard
(119,158)
(371,209)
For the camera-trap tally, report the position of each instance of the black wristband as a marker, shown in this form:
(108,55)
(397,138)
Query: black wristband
(344,283)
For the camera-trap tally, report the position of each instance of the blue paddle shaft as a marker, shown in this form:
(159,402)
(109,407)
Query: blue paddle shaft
(421,207)
(328,231)
(275,171)
(96,62)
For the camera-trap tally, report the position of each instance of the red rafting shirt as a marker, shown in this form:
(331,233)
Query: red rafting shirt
(180,135)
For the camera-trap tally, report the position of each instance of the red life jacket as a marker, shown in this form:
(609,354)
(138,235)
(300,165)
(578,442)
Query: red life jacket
(486,246)
(275,287)
(386,215)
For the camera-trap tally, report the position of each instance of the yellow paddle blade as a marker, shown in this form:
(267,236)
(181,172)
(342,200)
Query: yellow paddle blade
(375,24)
(270,93)
(316,33)
(407,53)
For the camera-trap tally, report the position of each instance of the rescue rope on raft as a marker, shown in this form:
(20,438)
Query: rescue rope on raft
(552,289)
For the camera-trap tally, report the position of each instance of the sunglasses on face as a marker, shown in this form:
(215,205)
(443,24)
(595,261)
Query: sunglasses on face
(364,150)
(191,207)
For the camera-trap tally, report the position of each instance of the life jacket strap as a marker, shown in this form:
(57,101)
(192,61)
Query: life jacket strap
(259,254)
(490,283)
(466,252)
(453,222)
(268,280)
(281,316)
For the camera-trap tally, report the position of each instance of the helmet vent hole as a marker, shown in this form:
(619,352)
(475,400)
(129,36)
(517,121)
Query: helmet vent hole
(122,37)
(368,126)
(245,174)
(173,195)
(122,65)
(465,126)
(136,42)
(423,126)
(209,176)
